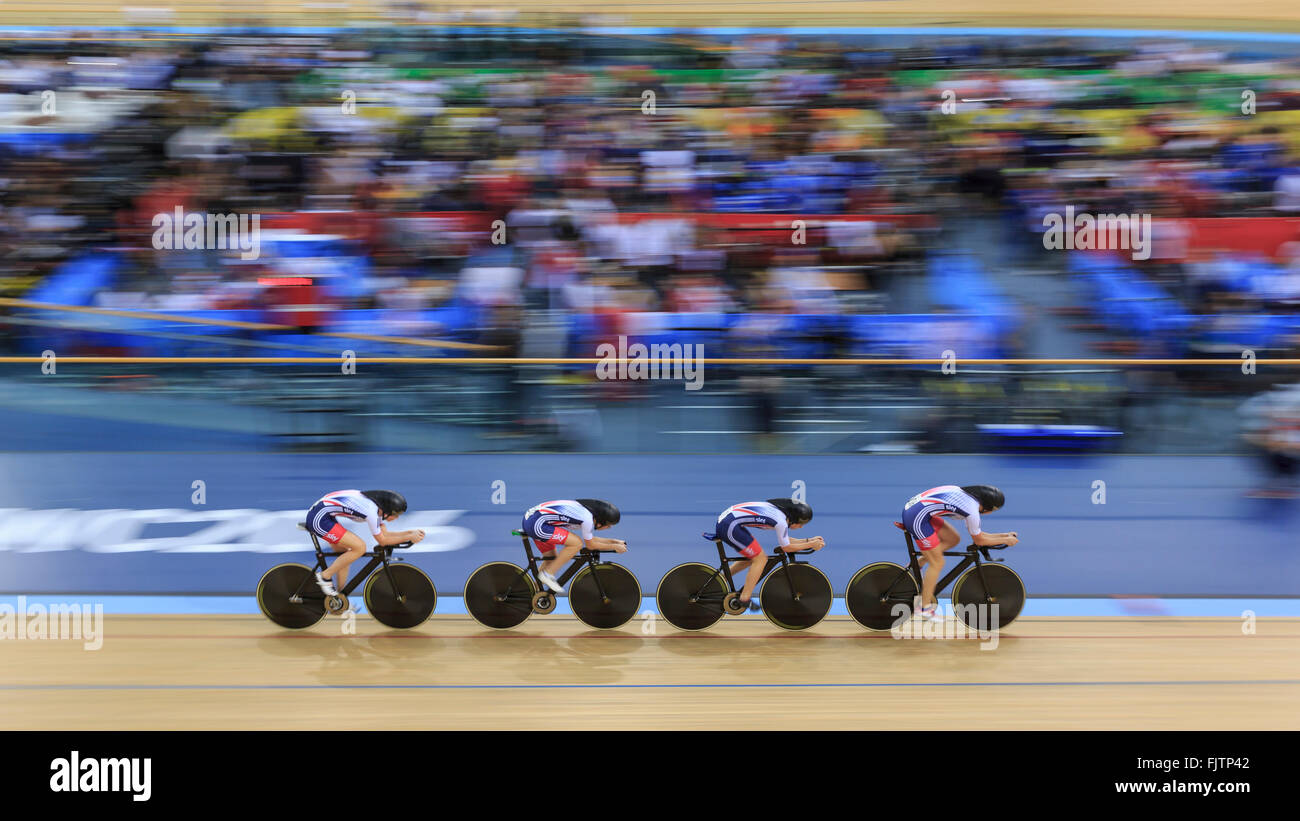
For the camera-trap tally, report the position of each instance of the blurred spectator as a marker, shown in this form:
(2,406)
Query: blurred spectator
(381,182)
(1272,428)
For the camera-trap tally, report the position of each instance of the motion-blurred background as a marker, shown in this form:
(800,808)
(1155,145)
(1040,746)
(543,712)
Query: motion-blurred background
(827,192)
(649,185)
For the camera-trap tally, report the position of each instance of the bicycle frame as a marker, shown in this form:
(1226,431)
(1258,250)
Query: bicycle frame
(971,555)
(381,555)
(724,568)
(586,558)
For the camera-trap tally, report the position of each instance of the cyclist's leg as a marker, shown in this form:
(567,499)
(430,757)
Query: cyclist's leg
(353,549)
(735,536)
(944,538)
(756,565)
(569,548)
(346,544)
(741,539)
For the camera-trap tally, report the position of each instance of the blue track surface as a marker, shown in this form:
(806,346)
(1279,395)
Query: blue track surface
(1172,526)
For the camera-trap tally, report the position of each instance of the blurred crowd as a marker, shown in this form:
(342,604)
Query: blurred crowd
(531,175)
(557,136)
(1271,422)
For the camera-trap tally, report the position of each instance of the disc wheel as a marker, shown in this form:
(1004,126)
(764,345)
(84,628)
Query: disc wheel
(990,602)
(690,596)
(881,595)
(620,602)
(400,596)
(499,595)
(807,605)
(279,587)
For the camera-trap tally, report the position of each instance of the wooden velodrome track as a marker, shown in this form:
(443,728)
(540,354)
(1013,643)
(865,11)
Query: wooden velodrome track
(242,672)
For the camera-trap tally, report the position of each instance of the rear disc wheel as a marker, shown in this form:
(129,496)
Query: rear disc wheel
(690,596)
(881,595)
(287,595)
(499,595)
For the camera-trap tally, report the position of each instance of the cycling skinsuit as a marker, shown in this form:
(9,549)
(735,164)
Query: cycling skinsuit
(549,523)
(349,504)
(734,522)
(924,513)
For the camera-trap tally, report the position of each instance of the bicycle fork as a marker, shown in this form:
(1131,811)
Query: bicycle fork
(393,584)
(789,577)
(604,597)
(979,570)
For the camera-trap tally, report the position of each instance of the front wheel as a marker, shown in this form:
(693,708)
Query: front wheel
(400,596)
(690,596)
(796,597)
(622,595)
(500,595)
(288,596)
(880,595)
(988,597)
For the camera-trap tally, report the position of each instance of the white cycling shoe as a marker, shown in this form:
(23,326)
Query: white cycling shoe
(326,586)
(549,581)
(931,613)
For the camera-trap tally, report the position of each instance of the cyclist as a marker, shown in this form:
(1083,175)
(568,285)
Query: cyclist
(781,515)
(923,517)
(374,507)
(549,526)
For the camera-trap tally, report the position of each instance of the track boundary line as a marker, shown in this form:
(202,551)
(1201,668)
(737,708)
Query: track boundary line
(766,686)
(972,634)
